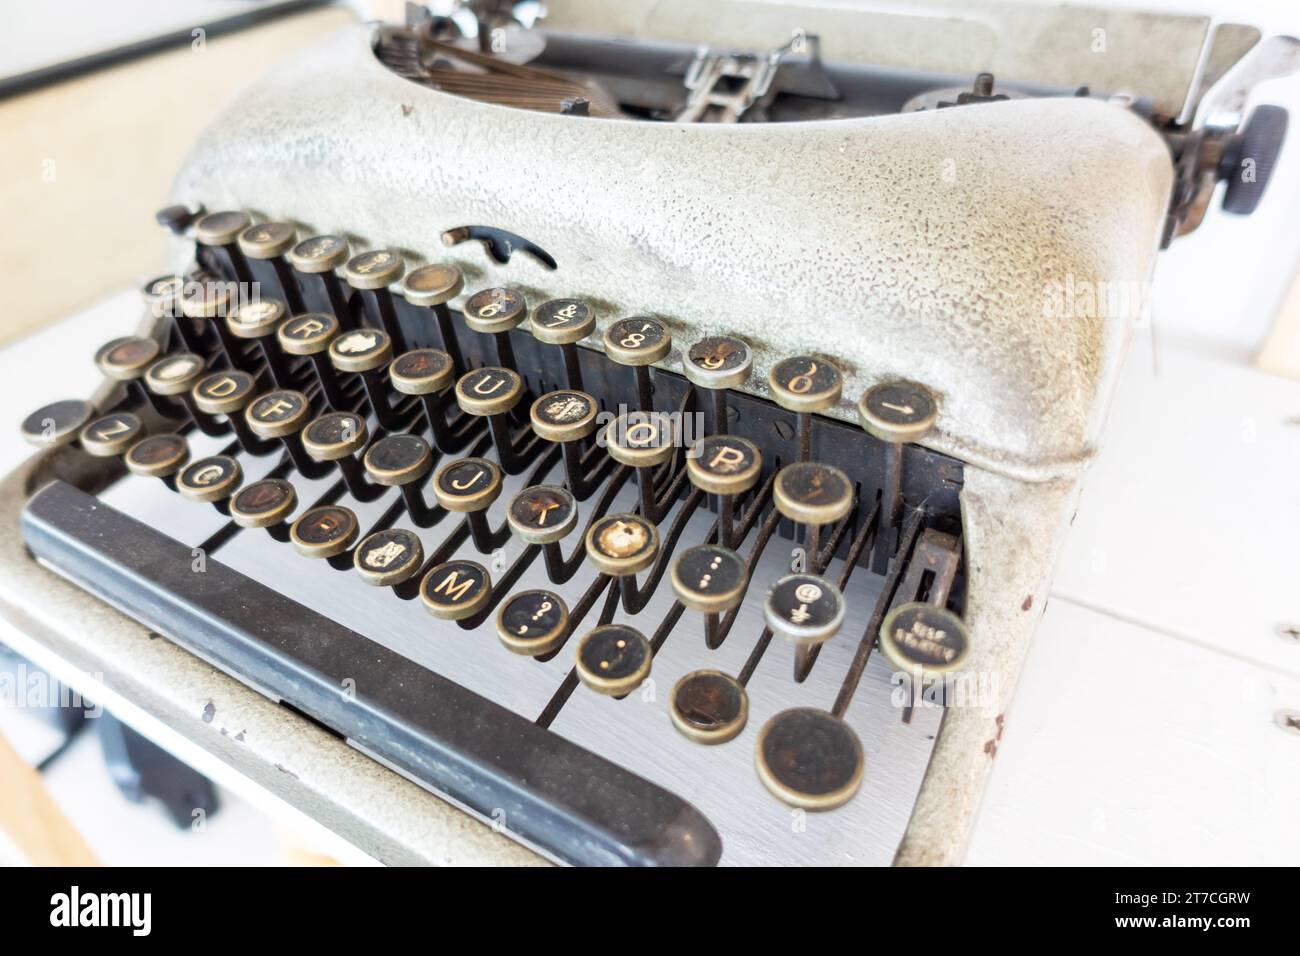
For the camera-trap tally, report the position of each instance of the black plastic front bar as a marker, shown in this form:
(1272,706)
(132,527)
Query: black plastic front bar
(573,804)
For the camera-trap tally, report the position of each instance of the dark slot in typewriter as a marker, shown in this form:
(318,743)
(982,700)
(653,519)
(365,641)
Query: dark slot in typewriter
(663,492)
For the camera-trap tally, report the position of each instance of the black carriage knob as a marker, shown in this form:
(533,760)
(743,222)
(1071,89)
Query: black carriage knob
(1249,157)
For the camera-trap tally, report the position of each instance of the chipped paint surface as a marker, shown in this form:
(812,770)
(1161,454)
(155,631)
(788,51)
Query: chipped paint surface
(921,245)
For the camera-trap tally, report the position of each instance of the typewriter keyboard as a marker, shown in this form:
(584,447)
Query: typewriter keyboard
(628,613)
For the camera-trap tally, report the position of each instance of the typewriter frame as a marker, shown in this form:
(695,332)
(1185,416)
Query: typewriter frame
(1022,455)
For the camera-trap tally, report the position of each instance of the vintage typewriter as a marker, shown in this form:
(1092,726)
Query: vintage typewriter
(650,430)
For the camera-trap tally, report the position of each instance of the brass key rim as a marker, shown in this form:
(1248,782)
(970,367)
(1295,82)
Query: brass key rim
(898,412)
(387,576)
(318,254)
(286,500)
(498,309)
(116,443)
(843,784)
(640,554)
(266,240)
(563,321)
(590,671)
(728,727)
(207,299)
(413,468)
(218,490)
(797,481)
(507,389)
(221,228)
(805,383)
(278,427)
(546,426)
(374,270)
(718,362)
(914,638)
(361,350)
(231,401)
(318,440)
(453,499)
(455,611)
(159,380)
(622,345)
(710,602)
(329,547)
(704,454)
(157,456)
(545,640)
(437,377)
(800,633)
(125,359)
(318,340)
(638,439)
(433,284)
(533,533)
(256,319)
(57,423)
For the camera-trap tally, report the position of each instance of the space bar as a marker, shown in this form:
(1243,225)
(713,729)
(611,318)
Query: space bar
(574,805)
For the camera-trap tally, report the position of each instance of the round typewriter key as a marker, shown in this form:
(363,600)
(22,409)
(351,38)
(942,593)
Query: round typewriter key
(158,456)
(207,299)
(489,390)
(709,707)
(542,514)
(398,460)
(175,374)
(809,758)
(563,321)
(433,285)
(724,464)
(533,622)
(614,659)
(804,609)
(709,578)
(564,415)
(125,359)
(335,435)
(209,479)
(319,254)
(57,423)
(224,393)
(324,532)
(924,637)
(421,372)
(388,557)
(467,484)
(277,414)
(220,228)
(495,310)
(805,384)
(377,269)
(307,334)
(622,544)
(111,435)
(266,240)
(263,503)
(257,319)
(718,361)
(362,350)
(812,493)
(637,341)
(898,412)
(163,295)
(456,590)
(641,439)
